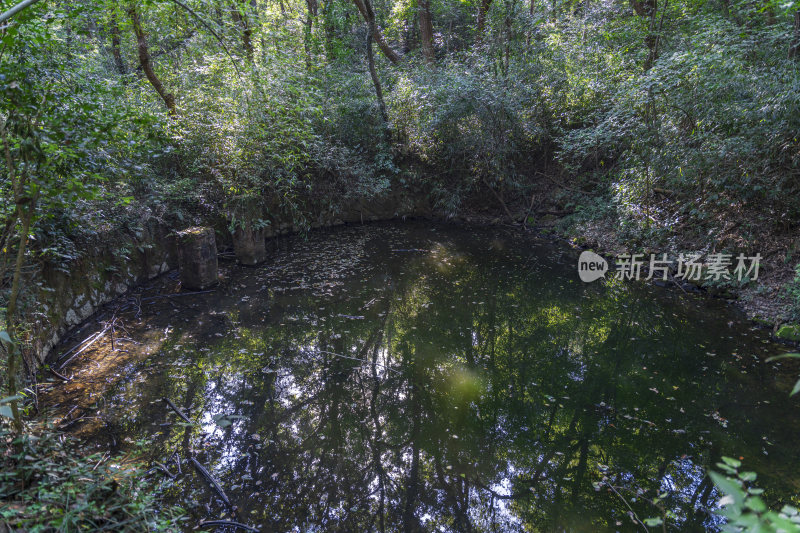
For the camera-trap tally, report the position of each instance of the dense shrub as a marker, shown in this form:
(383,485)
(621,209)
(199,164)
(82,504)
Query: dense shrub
(47,483)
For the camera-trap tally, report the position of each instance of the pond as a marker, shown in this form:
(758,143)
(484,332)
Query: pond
(417,377)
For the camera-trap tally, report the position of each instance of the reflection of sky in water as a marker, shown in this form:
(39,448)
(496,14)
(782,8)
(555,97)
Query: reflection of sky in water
(412,378)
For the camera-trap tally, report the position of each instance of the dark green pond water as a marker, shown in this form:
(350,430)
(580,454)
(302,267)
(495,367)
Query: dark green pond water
(417,378)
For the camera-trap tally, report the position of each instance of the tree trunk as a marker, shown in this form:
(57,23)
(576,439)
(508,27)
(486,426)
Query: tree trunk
(643,8)
(247,31)
(794,48)
(313,10)
(649,8)
(147,66)
(25,207)
(14,353)
(373,72)
(365,8)
(483,10)
(410,523)
(116,41)
(426,30)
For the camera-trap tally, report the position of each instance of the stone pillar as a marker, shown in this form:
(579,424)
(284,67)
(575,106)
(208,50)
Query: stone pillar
(250,245)
(197,258)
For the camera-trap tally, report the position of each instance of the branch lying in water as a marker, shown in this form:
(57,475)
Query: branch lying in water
(94,338)
(177,411)
(226,523)
(213,482)
(357,359)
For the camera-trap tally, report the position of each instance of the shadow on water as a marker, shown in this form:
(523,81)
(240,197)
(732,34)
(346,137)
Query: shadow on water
(409,378)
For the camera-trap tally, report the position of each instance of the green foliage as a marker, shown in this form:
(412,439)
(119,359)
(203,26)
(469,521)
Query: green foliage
(698,124)
(743,506)
(48,484)
(470,127)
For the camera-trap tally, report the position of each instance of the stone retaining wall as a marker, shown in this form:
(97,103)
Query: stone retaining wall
(69,296)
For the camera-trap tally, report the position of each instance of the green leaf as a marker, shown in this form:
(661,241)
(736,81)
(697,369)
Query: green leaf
(756,504)
(729,487)
(5,337)
(735,463)
(727,469)
(747,476)
(9,399)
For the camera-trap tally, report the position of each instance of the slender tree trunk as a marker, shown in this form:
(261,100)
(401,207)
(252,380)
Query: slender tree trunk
(483,10)
(378,435)
(649,8)
(410,523)
(426,30)
(373,72)
(313,10)
(643,8)
(242,20)
(794,48)
(410,34)
(329,30)
(365,7)
(147,66)
(14,353)
(25,207)
(116,42)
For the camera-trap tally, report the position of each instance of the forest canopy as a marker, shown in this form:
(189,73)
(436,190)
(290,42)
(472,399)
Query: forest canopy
(660,115)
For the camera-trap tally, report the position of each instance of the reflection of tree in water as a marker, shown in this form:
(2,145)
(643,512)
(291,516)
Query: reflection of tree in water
(473,397)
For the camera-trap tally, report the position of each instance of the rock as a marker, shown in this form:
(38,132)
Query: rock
(197,258)
(71,318)
(789,332)
(86,311)
(249,245)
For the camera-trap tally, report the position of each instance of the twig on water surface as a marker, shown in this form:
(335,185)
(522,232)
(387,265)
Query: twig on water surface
(228,523)
(357,359)
(159,296)
(177,411)
(213,482)
(69,413)
(56,374)
(165,470)
(63,355)
(94,338)
(633,513)
(82,417)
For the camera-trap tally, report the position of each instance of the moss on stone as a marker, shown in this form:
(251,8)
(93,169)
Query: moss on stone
(789,332)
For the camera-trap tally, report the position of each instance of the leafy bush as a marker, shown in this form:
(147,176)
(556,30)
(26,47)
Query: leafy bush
(699,126)
(49,484)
